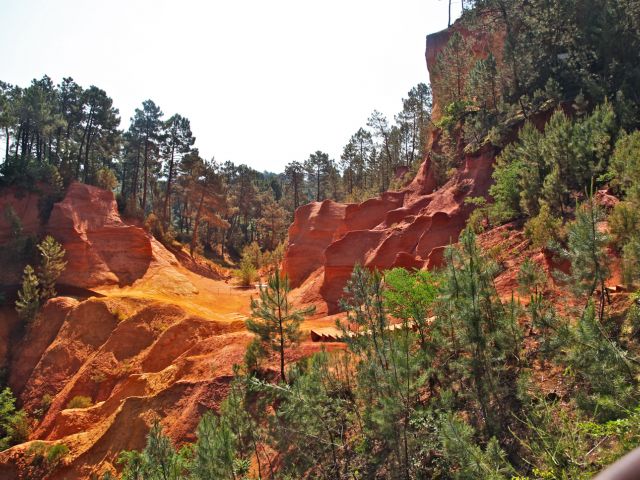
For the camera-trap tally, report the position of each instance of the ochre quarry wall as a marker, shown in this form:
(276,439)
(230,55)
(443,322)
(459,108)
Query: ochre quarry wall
(101,249)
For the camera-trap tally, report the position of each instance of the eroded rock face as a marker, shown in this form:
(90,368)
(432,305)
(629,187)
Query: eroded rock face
(138,360)
(101,248)
(400,229)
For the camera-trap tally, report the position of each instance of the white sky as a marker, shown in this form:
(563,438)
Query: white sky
(263,82)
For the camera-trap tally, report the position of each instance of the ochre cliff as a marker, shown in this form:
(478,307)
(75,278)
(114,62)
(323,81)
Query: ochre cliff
(407,228)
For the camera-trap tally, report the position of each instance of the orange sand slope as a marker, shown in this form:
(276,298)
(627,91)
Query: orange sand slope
(154,341)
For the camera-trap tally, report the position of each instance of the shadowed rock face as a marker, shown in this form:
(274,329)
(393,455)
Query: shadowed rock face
(101,248)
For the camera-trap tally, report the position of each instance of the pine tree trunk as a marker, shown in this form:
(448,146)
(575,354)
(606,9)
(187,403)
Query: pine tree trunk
(196,224)
(145,174)
(165,216)
(6,148)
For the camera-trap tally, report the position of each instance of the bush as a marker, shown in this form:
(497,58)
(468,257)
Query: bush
(48,456)
(253,254)
(52,265)
(56,453)
(624,222)
(106,179)
(28,302)
(247,274)
(153,225)
(631,261)
(625,164)
(543,228)
(14,424)
(80,401)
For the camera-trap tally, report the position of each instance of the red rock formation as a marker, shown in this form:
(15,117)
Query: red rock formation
(138,360)
(101,248)
(406,229)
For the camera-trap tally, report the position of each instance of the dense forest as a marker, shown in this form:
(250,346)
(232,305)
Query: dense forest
(441,375)
(56,134)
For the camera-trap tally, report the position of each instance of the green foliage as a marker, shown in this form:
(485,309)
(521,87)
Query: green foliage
(547,167)
(452,66)
(106,179)
(624,223)
(314,410)
(410,297)
(597,359)
(56,453)
(469,459)
(158,461)
(46,457)
(544,228)
(631,261)
(14,424)
(625,165)
(481,333)
(273,321)
(80,401)
(215,450)
(389,363)
(519,175)
(587,252)
(556,445)
(28,302)
(52,264)
(252,254)
(246,274)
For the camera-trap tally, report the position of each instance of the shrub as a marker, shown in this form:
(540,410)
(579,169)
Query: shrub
(625,164)
(106,179)
(543,228)
(624,222)
(247,274)
(253,254)
(52,265)
(56,453)
(28,301)
(631,261)
(14,424)
(153,225)
(49,455)
(80,401)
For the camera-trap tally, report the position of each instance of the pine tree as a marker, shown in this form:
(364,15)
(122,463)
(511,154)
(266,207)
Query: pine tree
(273,321)
(587,252)
(481,333)
(390,368)
(28,301)
(179,142)
(158,461)
(52,264)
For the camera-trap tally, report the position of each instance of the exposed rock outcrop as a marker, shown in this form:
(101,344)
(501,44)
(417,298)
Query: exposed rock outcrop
(399,229)
(101,248)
